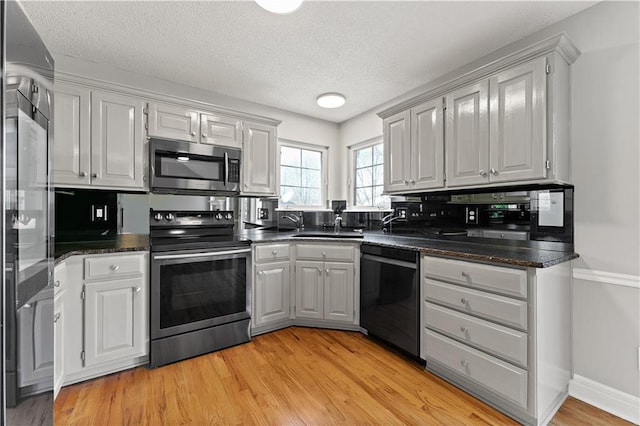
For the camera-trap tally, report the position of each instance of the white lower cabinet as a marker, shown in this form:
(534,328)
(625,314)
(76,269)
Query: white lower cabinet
(306,283)
(104,324)
(35,340)
(59,318)
(501,333)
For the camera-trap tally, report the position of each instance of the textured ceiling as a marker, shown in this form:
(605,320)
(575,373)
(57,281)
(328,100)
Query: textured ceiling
(369,51)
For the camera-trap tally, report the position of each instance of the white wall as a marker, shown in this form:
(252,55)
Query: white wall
(605,162)
(294,126)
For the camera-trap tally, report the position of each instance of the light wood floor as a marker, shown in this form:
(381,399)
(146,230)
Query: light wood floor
(292,376)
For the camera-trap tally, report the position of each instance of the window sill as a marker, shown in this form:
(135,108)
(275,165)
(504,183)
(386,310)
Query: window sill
(367,210)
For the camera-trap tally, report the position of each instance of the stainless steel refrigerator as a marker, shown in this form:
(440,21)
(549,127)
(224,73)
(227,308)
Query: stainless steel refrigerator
(27,237)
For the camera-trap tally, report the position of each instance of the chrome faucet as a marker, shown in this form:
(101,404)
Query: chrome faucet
(336,224)
(297,220)
(387,221)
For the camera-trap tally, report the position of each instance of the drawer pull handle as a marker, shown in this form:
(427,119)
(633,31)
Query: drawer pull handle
(327,271)
(464,363)
(137,289)
(56,284)
(275,252)
(319,271)
(464,301)
(115,267)
(463,329)
(464,274)
(324,254)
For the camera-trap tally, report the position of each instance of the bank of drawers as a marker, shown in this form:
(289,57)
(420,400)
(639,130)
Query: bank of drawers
(475,322)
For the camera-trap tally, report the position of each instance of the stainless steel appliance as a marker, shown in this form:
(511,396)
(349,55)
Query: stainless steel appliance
(389,295)
(27,103)
(184,167)
(200,284)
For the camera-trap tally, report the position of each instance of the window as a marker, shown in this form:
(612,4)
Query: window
(368,176)
(302,173)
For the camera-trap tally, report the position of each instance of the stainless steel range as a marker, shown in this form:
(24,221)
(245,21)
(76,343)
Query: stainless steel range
(200,285)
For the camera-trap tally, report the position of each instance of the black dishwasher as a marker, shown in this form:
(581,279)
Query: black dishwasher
(389,295)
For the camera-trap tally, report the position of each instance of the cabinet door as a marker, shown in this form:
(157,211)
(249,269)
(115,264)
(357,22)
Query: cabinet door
(427,148)
(467,135)
(518,123)
(272,286)
(173,122)
(116,141)
(115,320)
(36,341)
(259,159)
(397,139)
(220,130)
(309,290)
(338,292)
(58,342)
(72,135)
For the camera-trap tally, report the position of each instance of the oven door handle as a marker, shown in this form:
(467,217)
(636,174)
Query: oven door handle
(226,169)
(395,262)
(195,255)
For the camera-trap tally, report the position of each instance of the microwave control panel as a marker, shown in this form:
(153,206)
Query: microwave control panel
(234,171)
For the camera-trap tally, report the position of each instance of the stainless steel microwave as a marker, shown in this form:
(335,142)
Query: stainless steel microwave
(186,167)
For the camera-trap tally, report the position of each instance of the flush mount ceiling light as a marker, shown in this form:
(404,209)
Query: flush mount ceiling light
(281,7)
(331,100)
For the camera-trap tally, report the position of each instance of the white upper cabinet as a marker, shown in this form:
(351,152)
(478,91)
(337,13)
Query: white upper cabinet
(72,135)
(98,139)
(506,121)
(467,135)
(517,147)
(259,159)
(218,129)
(173,122)
(117,133)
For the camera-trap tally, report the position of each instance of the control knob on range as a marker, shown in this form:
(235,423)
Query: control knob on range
(169,216)
(228,216)
(158,217)
(218,216)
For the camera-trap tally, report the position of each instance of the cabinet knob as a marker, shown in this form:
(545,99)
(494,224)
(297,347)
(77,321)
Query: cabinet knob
(464,301)
(406,182)
(411,181)
(56,284)
(463,329)
(94,175)
(261,273)
(464,274)
(483,173)
(327,271)
(82,174)
(275,252)
(193,133)
(204,135)
(57,316)
(115,267)
(137,289)
(464,363)
(319,270)
(493,171)
(324,254)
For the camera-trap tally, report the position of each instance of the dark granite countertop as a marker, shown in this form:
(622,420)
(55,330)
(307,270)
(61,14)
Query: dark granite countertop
(123,243)
(534,254)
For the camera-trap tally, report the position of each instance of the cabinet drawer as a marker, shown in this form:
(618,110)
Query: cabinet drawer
(325,252)
(501,341)
(272,252)
(113,266)
(504,379)
(512,282)
(501,309)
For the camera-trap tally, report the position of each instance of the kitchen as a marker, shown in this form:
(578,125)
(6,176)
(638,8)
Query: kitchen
(604,290)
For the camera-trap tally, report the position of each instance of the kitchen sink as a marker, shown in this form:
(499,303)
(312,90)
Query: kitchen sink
(327,234)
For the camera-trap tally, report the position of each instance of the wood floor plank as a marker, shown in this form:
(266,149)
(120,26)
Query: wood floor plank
(296,376)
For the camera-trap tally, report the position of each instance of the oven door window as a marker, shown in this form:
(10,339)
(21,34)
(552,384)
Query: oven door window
(197,291)
(189,166)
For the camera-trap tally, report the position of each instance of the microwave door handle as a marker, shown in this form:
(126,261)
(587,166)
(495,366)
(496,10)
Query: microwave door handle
(226,168)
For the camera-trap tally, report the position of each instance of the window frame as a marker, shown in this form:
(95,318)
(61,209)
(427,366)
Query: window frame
(324,159)
(351,181)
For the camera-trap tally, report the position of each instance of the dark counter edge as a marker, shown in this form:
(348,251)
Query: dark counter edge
(124,243)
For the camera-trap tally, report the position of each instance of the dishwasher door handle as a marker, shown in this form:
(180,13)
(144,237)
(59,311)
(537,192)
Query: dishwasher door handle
(389,261)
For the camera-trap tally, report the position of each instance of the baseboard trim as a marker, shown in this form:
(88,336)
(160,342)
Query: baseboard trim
(606,398)
(624,280)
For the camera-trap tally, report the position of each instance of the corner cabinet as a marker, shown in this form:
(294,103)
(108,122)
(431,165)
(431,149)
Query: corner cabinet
(500,333)
(271,283)
(413,144)
(98,139)
(259,159)
(506,122)
(106,325)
